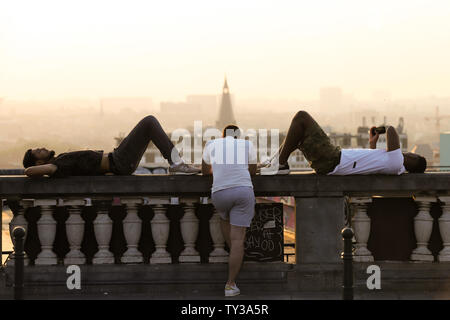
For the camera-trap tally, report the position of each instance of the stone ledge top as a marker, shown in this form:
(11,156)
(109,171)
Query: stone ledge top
(297,184)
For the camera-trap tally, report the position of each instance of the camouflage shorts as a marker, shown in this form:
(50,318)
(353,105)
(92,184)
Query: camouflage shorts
(317,148)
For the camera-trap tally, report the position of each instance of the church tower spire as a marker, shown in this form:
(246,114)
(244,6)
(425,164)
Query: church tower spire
(226,115)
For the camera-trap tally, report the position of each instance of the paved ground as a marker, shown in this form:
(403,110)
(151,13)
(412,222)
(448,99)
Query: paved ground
(270,296)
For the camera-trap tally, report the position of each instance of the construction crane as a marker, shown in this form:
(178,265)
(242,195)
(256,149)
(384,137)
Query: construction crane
(438,119)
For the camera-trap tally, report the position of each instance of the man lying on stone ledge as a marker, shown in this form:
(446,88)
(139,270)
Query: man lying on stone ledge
(305,134)
(122,161)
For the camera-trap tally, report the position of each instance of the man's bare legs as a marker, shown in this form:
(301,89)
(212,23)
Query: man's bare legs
(225,226)
(295,135)
(234,237)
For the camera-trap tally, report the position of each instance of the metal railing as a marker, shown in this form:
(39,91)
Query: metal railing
(19,236)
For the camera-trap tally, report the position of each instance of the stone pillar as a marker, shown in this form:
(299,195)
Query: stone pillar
(103,230)
(132,229)
(423,225)
(444,228)
(189,231)
(75,231)
(361,226)
(219,254)
(46,231)
(160,231)
(19,220)
(319,222)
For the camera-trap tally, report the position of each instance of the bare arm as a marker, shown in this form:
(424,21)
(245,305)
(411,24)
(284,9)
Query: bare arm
(206,168)
(373,138)
(392,139)
(39,171)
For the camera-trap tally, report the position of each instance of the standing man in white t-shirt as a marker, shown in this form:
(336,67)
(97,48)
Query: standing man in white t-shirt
(232,161)
(305,134)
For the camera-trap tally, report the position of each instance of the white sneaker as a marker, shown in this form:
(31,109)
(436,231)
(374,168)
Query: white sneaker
(231,291)
(183,168)
(276,170)
(268,161)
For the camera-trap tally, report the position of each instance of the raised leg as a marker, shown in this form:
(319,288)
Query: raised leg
(295,134)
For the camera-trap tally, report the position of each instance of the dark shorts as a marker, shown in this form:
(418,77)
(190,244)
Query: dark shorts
(317,148)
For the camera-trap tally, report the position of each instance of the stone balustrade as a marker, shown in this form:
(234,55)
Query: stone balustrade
(423,226)
(111,219)
(74,227)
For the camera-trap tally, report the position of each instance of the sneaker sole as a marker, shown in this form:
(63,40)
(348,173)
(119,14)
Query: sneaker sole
(275,173)
(184,173)
(232,294)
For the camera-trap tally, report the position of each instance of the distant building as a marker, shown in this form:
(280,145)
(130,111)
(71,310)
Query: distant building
(444,145)
(126,103)
(226,115)
(207,102)
(194,104)
(180,107)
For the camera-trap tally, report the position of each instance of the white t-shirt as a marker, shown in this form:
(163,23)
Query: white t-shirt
(369,161)
(229,159)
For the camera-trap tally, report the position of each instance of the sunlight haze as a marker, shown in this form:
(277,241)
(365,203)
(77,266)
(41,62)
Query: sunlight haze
(268,49)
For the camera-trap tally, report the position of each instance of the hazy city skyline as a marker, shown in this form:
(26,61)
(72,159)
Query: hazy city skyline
(77,74)
(268,50)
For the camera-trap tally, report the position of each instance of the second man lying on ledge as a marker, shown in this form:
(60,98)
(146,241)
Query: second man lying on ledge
(325,158)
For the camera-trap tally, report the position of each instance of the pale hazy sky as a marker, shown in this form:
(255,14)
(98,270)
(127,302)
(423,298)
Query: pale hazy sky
(270,49)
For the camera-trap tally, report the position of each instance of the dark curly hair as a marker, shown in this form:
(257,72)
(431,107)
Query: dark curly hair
(29,159)
(232,131)
(420,166)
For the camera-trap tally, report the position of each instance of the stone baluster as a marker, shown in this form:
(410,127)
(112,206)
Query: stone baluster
(219,254)
(189,230)
(75,231)
(444,228)
(160,230)
(103,231)
(423,225)
(46,226)
(16,221)
(361,226)
(132,229)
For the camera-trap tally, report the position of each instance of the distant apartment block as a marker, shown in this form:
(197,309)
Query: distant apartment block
(444,145)
(180,107)
(117,104)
